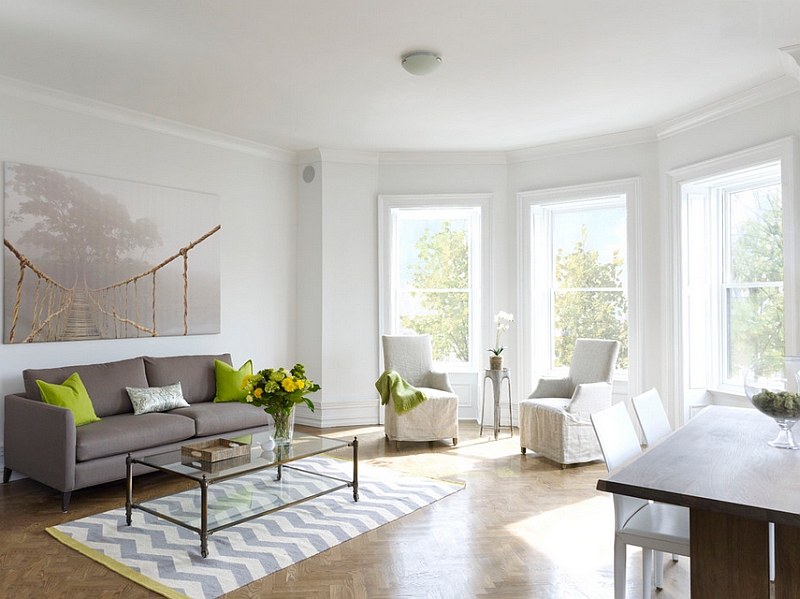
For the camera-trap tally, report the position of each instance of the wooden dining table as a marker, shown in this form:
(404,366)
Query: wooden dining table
(720,466)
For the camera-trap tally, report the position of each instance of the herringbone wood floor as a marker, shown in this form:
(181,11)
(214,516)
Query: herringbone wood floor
(522,528)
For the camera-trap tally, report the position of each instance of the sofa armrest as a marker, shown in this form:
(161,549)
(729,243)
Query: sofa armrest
(438,380)
(551,387)
(40,441)
(590,397)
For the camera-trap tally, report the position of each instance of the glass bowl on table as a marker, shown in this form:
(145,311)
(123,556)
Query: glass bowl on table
(776,394)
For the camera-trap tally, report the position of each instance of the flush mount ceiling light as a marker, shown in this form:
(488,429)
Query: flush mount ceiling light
(421,63)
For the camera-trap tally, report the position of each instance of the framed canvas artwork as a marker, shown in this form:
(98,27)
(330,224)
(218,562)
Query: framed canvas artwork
(89,257)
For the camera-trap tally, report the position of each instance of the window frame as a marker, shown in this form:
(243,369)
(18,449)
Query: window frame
(480,285)
(715,192)
(536,268)
(688,395)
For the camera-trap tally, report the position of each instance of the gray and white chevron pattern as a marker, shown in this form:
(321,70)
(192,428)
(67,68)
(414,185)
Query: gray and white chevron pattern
(170,555)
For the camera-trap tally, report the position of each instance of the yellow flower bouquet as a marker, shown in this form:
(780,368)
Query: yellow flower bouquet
(278,391)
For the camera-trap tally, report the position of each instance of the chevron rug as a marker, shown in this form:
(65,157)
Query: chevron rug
(166,558)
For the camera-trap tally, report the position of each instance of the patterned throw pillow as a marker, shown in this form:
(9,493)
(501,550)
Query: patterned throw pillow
(156,399)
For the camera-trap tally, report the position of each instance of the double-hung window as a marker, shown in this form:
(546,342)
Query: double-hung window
(576,267)
(733,275)
(431,274)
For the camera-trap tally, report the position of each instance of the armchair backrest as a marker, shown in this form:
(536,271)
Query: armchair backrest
(593,361)
(408,355)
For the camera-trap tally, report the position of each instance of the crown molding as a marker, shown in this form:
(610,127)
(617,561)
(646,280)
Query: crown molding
(331,155)
(790,60)
(442,158)
(750,98)
(24,90)
(578,146)
(348,156)
(307,156)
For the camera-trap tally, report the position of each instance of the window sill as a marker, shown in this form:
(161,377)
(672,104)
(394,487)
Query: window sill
(729,398)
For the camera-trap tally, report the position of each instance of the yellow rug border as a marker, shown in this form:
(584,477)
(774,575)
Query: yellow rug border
(116,566)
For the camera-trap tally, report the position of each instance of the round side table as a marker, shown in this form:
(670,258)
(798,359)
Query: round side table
(497,377)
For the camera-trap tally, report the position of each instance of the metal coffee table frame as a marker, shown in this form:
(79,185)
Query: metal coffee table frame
(303,446)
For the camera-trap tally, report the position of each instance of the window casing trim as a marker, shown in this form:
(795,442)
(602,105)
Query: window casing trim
(479,313)
(532,301)
(685,399)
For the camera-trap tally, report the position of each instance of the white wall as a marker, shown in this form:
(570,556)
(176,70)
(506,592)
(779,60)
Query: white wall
(337,285)
(350,283)
(257,210)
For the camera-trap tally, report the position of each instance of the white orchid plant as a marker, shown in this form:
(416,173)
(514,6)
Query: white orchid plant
(503,322)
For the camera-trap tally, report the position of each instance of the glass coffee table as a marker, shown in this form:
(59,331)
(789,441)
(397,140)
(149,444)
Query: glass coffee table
(277,490)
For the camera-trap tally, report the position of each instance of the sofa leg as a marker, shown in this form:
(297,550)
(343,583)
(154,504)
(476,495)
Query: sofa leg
(65,500)
(6,475)
(523,449)
(455,441)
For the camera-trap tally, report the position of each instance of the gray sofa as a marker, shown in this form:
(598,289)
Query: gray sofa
(43,443)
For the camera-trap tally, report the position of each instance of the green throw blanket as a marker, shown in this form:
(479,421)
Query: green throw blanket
(406,397)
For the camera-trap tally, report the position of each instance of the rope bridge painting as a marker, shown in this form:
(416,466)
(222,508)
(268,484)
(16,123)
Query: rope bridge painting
(87,257)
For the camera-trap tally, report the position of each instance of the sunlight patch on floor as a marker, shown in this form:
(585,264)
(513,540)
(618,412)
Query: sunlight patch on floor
(578,536)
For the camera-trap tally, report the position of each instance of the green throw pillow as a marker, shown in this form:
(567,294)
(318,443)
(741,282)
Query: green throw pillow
(229,381)
(70,394)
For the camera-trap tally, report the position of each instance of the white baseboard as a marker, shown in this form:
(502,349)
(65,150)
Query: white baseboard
(361,411)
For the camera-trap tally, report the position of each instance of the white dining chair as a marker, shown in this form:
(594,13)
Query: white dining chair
(655,426)
(652,416)
(650,525)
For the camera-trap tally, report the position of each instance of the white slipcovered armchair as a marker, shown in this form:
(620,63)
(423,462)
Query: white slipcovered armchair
(555,419)
(437,417)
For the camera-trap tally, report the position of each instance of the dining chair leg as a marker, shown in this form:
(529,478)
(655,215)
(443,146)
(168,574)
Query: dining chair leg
(647,572)
(658,569)
(619,569)
(772,552)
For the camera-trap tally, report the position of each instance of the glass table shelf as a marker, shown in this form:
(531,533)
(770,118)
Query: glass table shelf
(214,505)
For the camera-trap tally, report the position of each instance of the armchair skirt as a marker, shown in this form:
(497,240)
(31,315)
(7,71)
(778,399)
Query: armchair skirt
(564,437)
(433,419)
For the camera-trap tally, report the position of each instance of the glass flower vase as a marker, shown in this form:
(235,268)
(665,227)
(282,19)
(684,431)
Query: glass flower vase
(284,427)
(777,395)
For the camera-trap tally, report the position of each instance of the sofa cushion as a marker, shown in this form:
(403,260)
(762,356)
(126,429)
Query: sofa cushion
(122,433)
(217,418)
(195,373)
(105,383)
(71,395)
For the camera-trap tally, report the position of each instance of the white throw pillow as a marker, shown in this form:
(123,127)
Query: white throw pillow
(156,399)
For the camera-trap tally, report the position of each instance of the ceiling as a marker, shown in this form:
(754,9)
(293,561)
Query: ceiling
(302,74)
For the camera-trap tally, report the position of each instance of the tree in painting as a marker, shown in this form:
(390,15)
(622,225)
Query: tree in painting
(80,230)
